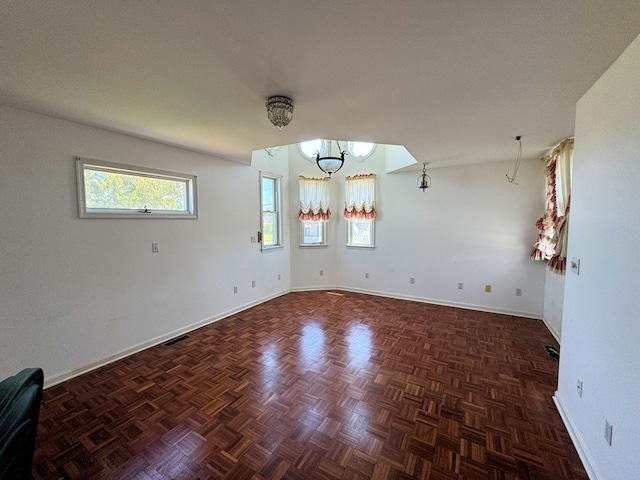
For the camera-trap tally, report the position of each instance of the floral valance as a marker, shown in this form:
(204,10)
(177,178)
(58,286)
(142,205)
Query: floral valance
(314,199)
(360,196)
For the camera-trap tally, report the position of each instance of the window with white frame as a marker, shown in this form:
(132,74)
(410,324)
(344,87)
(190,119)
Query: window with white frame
(360,150)
(313,233)
(314,210)
(114,190)
(310,148)
(361,233)
(271,218)
(360,210)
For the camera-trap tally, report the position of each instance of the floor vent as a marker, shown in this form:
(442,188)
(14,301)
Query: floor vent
(552,351)
(175,340)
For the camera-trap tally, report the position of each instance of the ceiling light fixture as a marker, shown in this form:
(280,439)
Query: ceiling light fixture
(279,110)
(424,180)
(330,164)
(512,179)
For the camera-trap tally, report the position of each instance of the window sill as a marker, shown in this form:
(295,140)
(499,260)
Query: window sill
(271,249)
(150,216)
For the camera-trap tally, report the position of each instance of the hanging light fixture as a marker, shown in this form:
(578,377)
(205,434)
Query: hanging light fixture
(512,179)
(330,164)
(279,110)
(424,180)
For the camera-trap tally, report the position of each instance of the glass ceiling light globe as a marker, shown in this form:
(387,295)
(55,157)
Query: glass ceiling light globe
(279,110)
(329,163)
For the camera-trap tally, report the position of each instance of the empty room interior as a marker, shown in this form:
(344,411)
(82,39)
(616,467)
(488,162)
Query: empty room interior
(381,239)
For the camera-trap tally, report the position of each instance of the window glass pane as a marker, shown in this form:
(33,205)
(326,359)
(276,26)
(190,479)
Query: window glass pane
(313,232)
(310,147)
(360,233)
(269,229)
(268,194)
(116,190)
(361,149)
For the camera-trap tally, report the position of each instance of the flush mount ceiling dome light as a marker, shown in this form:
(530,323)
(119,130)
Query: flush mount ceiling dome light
(330,164)
(279,110)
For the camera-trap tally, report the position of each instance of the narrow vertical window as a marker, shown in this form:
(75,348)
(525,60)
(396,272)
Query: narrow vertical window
(271,218)
(314,210)
(360,210)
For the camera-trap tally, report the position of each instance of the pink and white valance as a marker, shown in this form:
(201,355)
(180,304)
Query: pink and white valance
(314,199)
(360,196)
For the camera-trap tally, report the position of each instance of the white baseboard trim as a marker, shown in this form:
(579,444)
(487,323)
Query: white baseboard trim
(63,377)
(575,438)
(446,303)
(552,329)
(313,289)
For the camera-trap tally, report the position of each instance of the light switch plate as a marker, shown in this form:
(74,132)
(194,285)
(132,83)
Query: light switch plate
(574,265)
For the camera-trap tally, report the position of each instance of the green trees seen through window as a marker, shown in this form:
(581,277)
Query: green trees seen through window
(115,190)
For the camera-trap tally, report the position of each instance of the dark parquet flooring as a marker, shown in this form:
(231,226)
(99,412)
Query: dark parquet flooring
(320,386)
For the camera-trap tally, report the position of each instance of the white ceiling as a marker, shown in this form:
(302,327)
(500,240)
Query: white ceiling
(452,81)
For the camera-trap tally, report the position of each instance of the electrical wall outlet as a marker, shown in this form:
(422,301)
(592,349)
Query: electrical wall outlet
(321,273)
(253,283)
(487,288)
(235,289)
(460,285)
(608,431)
(366,275)
(154,247)
(278,276)
(412,280)
(579,388)
(518,292)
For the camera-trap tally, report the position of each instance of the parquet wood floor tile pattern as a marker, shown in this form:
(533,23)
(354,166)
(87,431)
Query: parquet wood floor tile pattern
(320,386)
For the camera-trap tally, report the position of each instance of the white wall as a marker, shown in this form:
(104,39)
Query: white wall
(601,326)
(306,262)
(77,292)
(471,226)
(553,299)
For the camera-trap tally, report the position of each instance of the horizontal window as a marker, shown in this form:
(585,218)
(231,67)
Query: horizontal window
(112,190)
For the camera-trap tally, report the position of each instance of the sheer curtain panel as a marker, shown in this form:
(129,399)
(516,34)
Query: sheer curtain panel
(360,197)
(314,199)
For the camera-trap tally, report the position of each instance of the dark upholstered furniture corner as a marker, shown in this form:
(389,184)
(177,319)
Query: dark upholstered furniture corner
(20,398)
